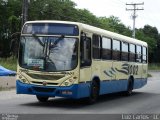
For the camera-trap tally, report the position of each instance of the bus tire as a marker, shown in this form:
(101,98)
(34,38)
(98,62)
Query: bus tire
(130,86)
(42,99)
(94,92)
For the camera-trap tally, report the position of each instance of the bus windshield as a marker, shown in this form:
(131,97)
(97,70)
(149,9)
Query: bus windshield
(51,54)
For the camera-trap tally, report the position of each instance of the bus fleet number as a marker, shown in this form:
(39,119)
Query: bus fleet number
(133,69)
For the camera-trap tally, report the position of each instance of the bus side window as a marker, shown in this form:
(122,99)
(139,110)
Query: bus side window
(144,55)
(116,55)
(85,51)
(106,48)
(125,51)
(96,43)
(132,53)
(139,54)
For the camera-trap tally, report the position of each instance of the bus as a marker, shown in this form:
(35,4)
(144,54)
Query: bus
(76,60)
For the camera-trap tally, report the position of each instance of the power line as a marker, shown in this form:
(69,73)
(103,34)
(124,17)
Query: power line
(134,14)
(25,11)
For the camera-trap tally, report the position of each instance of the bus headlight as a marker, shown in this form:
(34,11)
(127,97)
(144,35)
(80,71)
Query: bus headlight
(69,82)
(22,79)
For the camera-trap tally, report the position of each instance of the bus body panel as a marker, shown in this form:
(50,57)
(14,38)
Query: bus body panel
(113,74)
(78,90)
(119,85)
(138,83)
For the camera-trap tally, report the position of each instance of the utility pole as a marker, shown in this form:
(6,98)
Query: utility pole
(134,14)
(25,11)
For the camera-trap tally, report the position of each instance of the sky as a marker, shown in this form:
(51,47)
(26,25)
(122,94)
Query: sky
(149,16)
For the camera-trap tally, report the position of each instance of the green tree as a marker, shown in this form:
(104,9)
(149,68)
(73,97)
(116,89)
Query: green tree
(150,35)
(115,25)
(87,17)
(10,12)
(51,10)
(10,21)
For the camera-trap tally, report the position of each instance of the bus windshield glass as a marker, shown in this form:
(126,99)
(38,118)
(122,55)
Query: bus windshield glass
(51,29)
(50,54)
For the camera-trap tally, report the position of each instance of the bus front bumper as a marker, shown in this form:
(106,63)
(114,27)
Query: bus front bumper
(74,91)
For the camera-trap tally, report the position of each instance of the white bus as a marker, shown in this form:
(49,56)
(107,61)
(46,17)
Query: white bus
(75,60)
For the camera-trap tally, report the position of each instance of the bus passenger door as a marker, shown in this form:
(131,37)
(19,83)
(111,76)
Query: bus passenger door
(85,58)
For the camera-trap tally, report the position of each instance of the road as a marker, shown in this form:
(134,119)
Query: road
(145,101)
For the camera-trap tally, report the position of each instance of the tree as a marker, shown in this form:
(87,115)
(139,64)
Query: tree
(115,25)
(150,35)
(51,10)
(10,21)
(87,17)
(10,12)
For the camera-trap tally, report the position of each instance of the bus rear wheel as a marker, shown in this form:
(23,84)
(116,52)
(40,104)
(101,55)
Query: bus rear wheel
(42,99)
(94,92)
(130,87)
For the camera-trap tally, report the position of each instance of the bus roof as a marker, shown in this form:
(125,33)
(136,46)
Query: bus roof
(96,30)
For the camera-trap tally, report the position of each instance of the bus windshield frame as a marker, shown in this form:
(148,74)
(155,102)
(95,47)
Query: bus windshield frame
(42,41)
(51,29)
(48,53)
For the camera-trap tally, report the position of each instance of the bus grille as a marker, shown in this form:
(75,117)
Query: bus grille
(41,83)
(41,89)
(45,77)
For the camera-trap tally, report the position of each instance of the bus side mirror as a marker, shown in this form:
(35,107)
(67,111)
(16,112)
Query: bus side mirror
(85,51)
(83,36)
(83,44)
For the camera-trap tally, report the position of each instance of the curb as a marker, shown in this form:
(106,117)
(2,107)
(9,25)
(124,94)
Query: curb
(8,82)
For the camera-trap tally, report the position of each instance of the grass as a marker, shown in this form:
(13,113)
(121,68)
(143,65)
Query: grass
(9,63)
(149,75)
(154,66)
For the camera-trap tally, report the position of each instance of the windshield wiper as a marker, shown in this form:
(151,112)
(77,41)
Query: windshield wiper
(59,39)
(54,45)
(39,41)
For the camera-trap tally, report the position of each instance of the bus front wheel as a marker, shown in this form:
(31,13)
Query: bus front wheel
(94,92)
(42,99)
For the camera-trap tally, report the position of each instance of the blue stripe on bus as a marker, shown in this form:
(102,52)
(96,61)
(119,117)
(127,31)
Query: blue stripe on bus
(78,90)
(138,83)
(113,86)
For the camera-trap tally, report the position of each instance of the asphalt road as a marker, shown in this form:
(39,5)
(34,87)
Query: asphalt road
(143,101)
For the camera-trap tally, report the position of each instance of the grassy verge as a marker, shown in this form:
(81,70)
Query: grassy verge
(149,75)
(9,63)
(154,66)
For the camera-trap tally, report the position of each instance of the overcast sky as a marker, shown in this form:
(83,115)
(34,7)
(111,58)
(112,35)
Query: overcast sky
(150,15)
